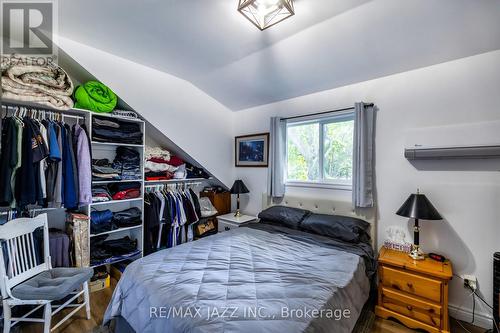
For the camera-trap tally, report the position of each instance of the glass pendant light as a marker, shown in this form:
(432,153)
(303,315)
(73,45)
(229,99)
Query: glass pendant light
(266,13)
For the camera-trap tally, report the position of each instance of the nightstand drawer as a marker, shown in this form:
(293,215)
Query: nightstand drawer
(425,312)
(411,283)
(225,226)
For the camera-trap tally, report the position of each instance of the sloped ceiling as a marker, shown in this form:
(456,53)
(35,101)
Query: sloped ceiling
(327,44)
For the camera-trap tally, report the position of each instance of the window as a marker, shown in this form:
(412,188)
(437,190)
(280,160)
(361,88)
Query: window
(320,151)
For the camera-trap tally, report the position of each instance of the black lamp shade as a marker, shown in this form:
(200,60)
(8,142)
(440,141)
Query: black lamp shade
(239,187)
(417,206)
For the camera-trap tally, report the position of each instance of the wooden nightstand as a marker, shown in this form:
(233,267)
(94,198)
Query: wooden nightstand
(229,221)
(413,292)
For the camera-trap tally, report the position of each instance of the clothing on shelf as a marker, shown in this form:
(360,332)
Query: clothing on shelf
(122,191)
(102,169)
(160,164)
(106,220)
(107,129)
(169,216)
(100,221)
(127,218)
(116,191)
(104,251)
(44,161)
(159,153)
(101,194)
(195,172)
(128,162)
(125,114)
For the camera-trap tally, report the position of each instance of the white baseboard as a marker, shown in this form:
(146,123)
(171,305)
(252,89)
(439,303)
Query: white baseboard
(484,320)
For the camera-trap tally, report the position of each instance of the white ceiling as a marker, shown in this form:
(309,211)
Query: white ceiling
(327,44)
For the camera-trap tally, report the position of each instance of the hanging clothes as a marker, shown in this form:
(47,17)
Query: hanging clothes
(43,162)
(169,217)
(84,166)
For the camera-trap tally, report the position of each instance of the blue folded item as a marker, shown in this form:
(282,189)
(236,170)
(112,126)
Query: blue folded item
(101,216)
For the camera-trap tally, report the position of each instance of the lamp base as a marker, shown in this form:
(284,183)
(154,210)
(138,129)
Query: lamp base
(416,253)
(237,213)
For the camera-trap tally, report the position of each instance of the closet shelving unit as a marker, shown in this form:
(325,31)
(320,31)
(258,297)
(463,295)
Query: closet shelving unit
(102,150)
(108,150)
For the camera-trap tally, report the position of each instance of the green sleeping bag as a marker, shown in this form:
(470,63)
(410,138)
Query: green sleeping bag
(96,97)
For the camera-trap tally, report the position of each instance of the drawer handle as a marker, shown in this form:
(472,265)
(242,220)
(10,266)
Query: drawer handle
(409,307)
(409,285)
(227,228)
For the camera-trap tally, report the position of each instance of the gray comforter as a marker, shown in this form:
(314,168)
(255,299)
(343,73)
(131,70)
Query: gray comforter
(252,279)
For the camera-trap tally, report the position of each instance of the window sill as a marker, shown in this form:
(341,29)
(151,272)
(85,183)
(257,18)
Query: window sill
(331,186)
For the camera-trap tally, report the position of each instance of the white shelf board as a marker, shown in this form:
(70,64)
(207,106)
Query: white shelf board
(118,260)
(101,182)
(116,144)
(156,182)
(116,230)
(114,202)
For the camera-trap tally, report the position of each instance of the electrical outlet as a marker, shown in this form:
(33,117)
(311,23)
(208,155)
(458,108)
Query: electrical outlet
(470,282)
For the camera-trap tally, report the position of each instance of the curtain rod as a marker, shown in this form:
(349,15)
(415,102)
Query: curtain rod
(324,112)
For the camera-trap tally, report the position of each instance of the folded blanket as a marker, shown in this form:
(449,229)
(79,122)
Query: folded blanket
(152,166)
(157,152)
(96,97)
(48,85)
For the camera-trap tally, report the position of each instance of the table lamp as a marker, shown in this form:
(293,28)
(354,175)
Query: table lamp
(417,207)
(238,188)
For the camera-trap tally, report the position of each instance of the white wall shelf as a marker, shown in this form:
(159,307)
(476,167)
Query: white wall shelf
(117,230)
(173,181)
(115,202)
(104,182)
(116,144)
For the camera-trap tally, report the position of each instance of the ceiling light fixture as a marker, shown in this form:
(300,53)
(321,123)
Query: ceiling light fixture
(266,13)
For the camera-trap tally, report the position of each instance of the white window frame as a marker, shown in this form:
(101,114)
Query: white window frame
(336,184)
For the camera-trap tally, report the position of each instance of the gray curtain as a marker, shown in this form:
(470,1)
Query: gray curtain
(363,181)
(277,163)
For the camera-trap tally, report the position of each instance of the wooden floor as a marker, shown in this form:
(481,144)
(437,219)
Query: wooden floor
(99,301)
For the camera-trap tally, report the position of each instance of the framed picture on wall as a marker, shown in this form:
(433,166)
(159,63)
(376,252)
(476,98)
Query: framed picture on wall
(252,150)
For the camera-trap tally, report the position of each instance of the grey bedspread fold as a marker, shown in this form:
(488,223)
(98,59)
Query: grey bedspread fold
(252,279)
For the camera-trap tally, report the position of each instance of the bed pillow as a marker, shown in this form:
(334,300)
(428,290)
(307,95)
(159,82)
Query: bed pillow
(345,228)
(286,216)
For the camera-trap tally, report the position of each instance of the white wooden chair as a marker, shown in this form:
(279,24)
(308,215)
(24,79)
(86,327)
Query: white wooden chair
(23,280)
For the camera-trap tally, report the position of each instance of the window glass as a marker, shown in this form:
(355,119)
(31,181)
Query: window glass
(320,150)
(303,152)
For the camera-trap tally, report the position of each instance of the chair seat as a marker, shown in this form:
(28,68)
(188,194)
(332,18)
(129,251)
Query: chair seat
(53,284)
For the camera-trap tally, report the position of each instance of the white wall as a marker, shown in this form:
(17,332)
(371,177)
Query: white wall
(197,123)
(467,194)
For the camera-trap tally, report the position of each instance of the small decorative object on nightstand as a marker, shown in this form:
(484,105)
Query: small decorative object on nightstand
(229,221)
(238,188)
(414,292)
(417,206)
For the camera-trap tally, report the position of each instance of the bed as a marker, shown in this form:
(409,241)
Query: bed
(259,278)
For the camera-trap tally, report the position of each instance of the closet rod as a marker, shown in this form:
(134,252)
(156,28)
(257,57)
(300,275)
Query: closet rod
(58,112)
(168,184)
(324,112)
